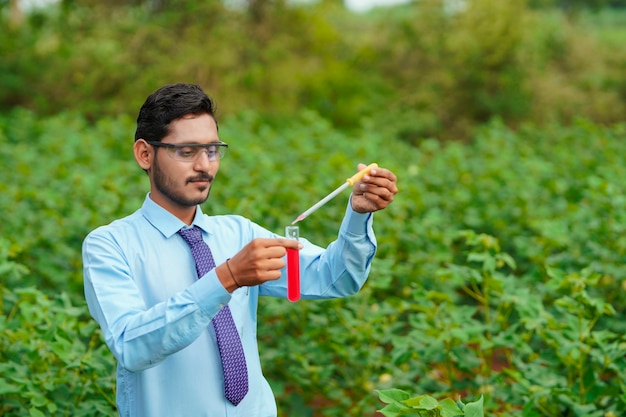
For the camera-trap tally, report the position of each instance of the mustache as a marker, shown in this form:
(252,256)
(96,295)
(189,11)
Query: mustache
(201,177)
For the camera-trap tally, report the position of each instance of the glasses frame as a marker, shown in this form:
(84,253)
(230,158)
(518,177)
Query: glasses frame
(221,149)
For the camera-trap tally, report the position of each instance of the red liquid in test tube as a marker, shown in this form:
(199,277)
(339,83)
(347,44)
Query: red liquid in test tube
(293,265)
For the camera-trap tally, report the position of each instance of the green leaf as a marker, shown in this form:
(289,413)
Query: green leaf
(474,409)
(391,410)
(392,395)
(7,388)
(423,402)
(449,408)
(36,413)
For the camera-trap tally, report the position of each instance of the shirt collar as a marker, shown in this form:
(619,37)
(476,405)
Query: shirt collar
(166,222)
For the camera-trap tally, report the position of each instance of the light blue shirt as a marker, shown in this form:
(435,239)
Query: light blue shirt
(141,287)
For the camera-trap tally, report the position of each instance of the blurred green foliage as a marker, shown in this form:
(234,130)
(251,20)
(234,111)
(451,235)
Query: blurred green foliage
(500,268)
(424,69)
(52,359)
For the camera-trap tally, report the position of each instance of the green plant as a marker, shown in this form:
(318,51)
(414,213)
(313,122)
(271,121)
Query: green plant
(570,336)
(400,403)
(499,270)
(52,359)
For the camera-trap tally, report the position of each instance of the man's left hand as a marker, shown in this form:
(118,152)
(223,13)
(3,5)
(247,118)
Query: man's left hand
(375,191)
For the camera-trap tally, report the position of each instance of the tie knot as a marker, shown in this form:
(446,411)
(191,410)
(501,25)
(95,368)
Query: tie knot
(192,235)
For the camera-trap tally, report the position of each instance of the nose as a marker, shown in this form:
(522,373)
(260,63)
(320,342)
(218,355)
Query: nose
(203,162)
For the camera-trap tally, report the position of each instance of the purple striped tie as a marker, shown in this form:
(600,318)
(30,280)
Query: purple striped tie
(228,341)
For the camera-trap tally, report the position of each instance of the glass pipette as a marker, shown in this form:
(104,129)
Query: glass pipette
(349,182)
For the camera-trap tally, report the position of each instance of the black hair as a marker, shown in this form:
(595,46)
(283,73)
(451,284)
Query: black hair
(169,103)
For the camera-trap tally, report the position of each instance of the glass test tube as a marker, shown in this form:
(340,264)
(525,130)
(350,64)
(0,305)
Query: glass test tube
(293,265)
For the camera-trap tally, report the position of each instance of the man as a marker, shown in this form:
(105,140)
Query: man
(160,299)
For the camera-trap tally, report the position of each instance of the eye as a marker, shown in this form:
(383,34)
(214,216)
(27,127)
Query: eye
(186,152)
(212,150)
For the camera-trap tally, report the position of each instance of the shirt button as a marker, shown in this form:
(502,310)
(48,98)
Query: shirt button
(221,306)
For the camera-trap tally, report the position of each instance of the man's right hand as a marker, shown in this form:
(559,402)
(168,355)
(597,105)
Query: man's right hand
(259,261)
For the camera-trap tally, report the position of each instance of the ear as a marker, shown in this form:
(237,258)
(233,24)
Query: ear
(143,154)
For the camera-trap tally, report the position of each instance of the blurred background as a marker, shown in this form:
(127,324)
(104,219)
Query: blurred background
(501,265)
(427,68)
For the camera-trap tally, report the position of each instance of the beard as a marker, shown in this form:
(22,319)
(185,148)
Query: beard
(166,186)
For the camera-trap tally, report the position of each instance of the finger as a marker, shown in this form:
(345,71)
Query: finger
(382,188)
(380,173)
(267,242)
(271,264)
(378,195)
(387,193)
(381,182)
(382,178)
(276,264)
(278,242)
(272,252)
(289,243)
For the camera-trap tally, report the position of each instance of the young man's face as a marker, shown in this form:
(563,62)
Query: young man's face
(177,185)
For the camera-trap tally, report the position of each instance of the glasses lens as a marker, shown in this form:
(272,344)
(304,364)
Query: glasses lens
(192,153)
(221,151)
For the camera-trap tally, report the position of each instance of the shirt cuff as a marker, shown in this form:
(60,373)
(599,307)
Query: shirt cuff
(209,293)
(356,223)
